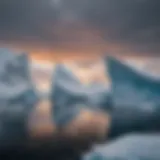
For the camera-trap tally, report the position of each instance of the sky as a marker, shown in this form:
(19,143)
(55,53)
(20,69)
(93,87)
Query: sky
(81,26)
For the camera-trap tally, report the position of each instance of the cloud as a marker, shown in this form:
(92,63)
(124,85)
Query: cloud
(133,24)
(24,19)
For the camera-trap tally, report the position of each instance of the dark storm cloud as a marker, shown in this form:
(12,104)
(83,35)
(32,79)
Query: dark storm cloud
(20,19)
(133,23)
